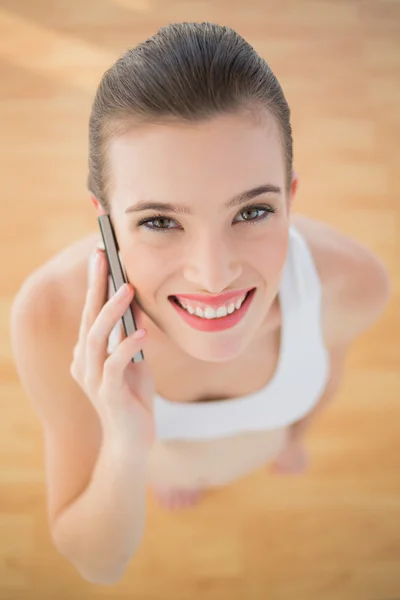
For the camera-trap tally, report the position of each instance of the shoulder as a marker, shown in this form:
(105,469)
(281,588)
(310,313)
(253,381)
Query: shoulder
(355,282)
(52,296)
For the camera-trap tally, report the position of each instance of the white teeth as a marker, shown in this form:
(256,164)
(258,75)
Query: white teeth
(222,311)
(211,313)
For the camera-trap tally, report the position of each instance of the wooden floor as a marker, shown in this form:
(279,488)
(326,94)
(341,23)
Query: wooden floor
(333,534)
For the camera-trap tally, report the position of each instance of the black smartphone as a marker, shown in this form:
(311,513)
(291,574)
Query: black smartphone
(118,273)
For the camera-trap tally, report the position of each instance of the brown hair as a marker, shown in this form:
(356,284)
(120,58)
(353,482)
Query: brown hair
(185,72)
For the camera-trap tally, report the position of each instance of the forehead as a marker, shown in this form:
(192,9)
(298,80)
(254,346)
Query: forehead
(225,154)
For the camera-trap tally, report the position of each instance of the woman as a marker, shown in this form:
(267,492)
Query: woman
(245,311)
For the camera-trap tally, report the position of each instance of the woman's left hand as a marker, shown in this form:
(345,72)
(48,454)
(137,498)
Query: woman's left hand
(293,459)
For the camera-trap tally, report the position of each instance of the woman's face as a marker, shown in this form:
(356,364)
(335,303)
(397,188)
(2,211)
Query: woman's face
(210,245)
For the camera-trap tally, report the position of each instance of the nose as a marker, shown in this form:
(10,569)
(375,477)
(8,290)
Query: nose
(211,264)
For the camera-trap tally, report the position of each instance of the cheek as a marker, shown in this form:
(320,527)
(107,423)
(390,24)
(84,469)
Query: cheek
(143,276)
(147,269)
(271,253)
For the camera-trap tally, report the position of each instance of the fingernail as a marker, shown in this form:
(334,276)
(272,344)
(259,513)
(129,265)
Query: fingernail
(139,334)
(122,291)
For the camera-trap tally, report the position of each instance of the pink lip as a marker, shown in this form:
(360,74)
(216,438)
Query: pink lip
(213,325)
(213,301)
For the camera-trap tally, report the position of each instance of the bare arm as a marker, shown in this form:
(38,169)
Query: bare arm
(101,529)
(95,484)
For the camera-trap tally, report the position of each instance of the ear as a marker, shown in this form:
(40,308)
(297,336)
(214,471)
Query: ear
(293,190)
(97,205)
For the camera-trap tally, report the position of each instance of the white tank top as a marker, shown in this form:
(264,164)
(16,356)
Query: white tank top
(297,384)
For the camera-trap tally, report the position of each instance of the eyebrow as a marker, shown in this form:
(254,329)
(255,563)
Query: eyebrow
(186,210)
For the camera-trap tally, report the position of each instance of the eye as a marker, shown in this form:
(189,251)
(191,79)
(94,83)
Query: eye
(161,223)
(157,223)
(254,211)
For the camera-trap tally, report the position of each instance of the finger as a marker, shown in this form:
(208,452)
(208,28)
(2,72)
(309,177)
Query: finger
(98,336)
(96,294)
(115,338)
(78,366)
(116,363)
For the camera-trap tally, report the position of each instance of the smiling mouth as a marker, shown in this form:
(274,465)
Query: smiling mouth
(208,320)
(207,312)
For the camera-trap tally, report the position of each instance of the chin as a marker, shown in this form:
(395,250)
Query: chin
(215,348)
